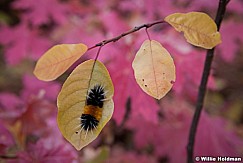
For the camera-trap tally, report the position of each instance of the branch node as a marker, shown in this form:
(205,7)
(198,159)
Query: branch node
(103,43)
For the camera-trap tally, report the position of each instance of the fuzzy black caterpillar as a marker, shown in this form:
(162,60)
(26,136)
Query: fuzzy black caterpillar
(88,122)
(93,108)
(96,96)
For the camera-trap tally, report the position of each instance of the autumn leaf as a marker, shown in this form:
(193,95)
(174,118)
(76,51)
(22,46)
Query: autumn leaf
(57,60)
(199,29)
(154,69)
(85,103)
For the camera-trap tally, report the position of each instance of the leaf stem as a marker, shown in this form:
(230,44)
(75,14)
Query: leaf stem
(92,70)
(135,29)
(202,88)
(148,34)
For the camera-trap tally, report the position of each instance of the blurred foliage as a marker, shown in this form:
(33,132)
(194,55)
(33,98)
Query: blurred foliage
(152,131)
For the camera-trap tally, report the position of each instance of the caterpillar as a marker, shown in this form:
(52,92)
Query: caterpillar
(93,109)
(85,103)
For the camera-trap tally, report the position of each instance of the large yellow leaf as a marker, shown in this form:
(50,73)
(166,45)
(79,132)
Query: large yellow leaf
(199,29)
(79,103)
(57,60)
(154,69)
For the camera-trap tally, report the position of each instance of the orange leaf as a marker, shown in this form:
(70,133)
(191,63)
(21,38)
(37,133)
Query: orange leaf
(199,29)
(57,60)
(154,69)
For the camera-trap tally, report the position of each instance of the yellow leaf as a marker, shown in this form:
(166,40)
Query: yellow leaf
(57,60)
(85,103)
(154,69)
(199,29)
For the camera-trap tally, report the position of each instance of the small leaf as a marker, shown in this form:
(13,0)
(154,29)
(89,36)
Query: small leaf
(85,103)
(57,60)
(199,29)
(154,69)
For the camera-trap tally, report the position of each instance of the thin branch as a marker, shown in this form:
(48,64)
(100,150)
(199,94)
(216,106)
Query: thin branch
(202,88)
(127,113)
(135,29)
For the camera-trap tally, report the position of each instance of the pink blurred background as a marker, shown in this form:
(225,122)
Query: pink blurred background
(150,131)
